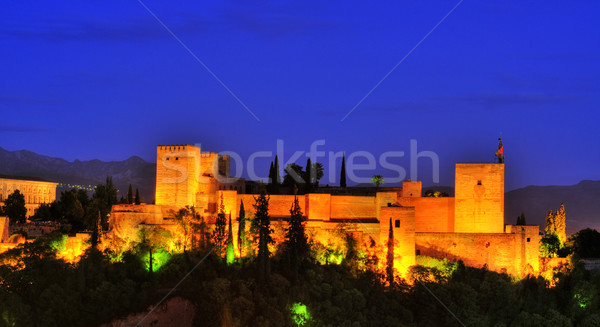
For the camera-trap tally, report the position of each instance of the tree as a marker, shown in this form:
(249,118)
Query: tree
(560,224)
(271,175)
(343,173)
(151,240)
(96,232)
(378,179)
(137,200)
(296,241)
(436,194)
(556,224)
(184,218)
(317,171)
(308,176)
(243,243)
(276,169)
(129,195)
(549,245)
(390,256)
(294,176)
(229,253)
(72,208)
(107,194)
(521,221)
(261,227)
(550,227)
(218,237)
(44,212)
(586,243)
(14,208)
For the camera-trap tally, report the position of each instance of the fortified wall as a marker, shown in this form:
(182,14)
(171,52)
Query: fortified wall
(469,226)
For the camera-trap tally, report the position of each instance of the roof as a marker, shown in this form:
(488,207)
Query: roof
(24,178)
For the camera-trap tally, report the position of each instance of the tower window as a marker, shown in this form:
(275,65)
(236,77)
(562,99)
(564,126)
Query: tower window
(397,223)
(528,239)
(479,182)
(418,252)
(176,158)
(167,158)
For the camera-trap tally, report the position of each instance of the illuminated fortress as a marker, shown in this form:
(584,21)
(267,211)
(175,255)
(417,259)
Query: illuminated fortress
(469,226)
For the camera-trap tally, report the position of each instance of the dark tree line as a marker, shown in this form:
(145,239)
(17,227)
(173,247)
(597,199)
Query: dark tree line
(81,212)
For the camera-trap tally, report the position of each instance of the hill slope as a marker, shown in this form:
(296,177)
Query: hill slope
(582,204)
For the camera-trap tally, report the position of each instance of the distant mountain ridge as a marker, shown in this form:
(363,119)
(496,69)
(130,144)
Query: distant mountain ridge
(582,204)
(135,170)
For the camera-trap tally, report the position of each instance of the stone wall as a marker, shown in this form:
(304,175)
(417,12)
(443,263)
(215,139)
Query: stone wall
(279,205)
(349,206)
(514,253)
(431,214)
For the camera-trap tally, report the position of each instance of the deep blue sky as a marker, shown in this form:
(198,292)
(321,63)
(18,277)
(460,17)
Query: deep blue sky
(105,80)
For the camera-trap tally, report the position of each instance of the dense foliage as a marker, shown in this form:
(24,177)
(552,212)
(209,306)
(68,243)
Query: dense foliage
(36,289)
(14,208)
(77,210)
(312,284)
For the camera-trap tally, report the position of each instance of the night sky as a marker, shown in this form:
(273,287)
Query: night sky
(105,80)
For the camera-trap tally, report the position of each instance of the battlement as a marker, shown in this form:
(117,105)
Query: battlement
(176,147)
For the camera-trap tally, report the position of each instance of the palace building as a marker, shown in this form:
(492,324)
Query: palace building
(469,226)
(35,190)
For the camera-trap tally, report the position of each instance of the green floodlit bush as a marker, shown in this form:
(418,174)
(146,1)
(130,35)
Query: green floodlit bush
(300,314)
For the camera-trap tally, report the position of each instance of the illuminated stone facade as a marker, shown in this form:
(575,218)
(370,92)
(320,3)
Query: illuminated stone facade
(35,191)
(469,227)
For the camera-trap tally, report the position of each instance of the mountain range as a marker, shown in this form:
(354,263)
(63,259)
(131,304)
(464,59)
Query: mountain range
(582,200)
(86,174)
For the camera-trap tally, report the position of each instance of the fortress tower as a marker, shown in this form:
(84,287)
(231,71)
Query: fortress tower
(177,173)
(479,198)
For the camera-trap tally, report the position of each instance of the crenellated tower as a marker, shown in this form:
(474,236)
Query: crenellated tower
(479,198)
(177,173)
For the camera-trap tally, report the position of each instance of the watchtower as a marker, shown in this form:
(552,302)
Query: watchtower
(479,198)
(177,173)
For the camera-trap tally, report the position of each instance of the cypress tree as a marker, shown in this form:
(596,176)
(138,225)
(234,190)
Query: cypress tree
(343,173)
(309,175)
(261,227)
(550,228)
(390,255)
(271,175)
(521,221)
(219,232)
(230,255)
(242,239)
(137,196)
(276,169)
(560,224)
(130,195)
(296,240)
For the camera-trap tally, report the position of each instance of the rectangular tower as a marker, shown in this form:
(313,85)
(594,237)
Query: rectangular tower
(479,198)
(177,173)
